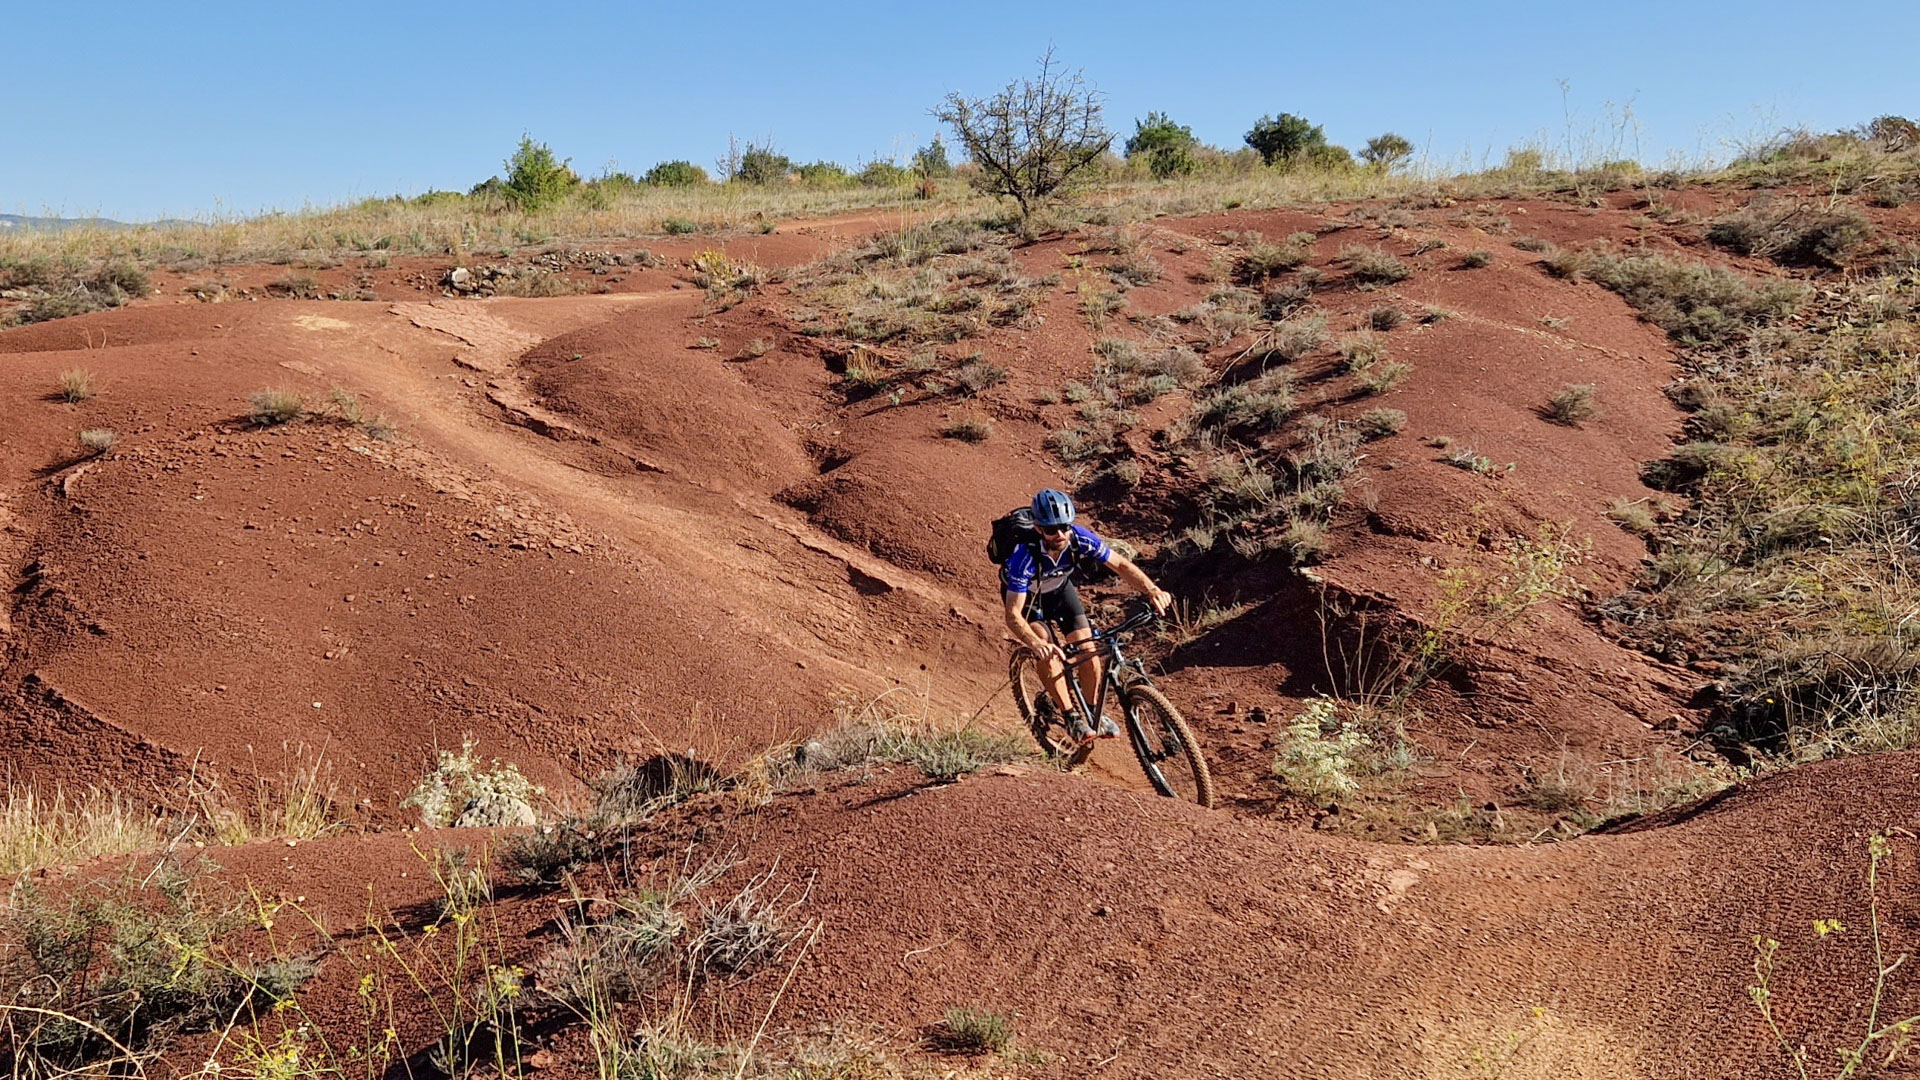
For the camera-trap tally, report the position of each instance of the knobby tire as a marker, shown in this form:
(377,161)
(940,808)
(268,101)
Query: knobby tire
(1168,752)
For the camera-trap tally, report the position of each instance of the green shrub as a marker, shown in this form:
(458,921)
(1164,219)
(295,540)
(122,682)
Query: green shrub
(762,165)
(970,1030)
(1167,147)
(1285,139)
(1386,317)
(1253,408)
(1384,152)
(885,174)
(535,178)
(1318,757)
(1380,423)
(128,960)
(1474,260)
(676,174)
(676,226)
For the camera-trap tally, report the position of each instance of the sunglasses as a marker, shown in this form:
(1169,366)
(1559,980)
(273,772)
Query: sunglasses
(1055,530)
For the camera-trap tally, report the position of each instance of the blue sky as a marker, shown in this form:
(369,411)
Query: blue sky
(136,111)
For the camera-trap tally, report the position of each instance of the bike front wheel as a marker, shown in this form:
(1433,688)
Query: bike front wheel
(1036,708)
(1168,752)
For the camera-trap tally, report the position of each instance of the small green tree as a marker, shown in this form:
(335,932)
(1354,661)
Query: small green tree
(1167,146)
(763,165)
(1385,152)
(931,159)
(676,174)
(1281,140)
(535,178)
(1034,137)
(823,174)
(884,174)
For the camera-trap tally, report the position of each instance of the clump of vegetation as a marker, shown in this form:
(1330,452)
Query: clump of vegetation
(1571,405)
(1380,423)
(972,1030)
(1250,409)
(1693,302)
(100,977)
(1467,458)
(1474,260)
(1800,471)
(1360,351)
(1318,757)
(1295,338)
(531,282)
(68,288)
(98,440)
(969,427)
(76,385)
(274,407)
(977,375)
(1385,317)
(461,791)
(1801,234)
(1264,260)
(1372,266)
(1382,377)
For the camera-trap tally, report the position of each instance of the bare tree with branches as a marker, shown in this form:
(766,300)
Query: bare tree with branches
(1032,137)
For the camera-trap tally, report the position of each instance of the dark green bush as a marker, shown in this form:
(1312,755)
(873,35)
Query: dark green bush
(535,178)
(676,174)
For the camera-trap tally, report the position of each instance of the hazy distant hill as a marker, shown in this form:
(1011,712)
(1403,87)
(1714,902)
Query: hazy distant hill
(55,224)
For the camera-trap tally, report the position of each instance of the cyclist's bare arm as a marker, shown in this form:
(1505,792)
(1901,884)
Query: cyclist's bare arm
(1138,580)
(1022,631)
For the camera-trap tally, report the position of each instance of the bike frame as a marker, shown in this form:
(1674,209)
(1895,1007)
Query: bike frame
(1104,642)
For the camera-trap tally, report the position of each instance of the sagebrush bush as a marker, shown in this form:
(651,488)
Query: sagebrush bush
(1572,404)
(1694,302)
(1318,757)
(98,440)
(1382,377)
(1372,266)
(1474,260)
(1800,234)
(76,385)
(971,427)
(1380,423)
(1263,261)
(459,790)
(1359,350)
(1385,317)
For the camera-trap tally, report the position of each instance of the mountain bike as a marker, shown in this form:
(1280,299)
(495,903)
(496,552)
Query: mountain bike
(1164,744)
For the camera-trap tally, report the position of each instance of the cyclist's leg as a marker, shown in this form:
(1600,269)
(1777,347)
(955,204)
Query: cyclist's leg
(1072,619)
(1052,672)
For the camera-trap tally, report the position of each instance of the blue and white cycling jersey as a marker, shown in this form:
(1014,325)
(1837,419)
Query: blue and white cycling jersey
(1031,570)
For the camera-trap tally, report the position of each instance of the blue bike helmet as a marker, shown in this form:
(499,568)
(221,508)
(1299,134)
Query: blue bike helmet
(1052,507)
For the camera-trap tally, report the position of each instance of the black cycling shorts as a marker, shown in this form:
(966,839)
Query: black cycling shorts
(1061,607)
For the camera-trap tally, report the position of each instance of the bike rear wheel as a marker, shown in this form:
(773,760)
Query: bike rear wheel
(1036,708)
(1168,752)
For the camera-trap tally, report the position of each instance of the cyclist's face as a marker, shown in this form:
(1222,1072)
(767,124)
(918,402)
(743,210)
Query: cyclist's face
(1055,536)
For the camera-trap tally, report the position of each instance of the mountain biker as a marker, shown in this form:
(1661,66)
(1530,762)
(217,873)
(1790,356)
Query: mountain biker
(1036,587)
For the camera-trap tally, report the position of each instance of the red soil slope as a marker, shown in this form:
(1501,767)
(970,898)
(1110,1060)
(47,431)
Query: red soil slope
(624,521)
(1134,937)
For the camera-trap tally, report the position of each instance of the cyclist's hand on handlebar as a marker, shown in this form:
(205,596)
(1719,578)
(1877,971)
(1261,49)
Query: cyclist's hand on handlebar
(1047,650)
(1161,601)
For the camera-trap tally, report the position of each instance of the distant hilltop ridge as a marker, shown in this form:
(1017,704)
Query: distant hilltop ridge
(55,224)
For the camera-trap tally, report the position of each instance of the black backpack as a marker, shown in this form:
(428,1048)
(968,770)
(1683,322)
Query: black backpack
(1010,531)
(1015,528)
